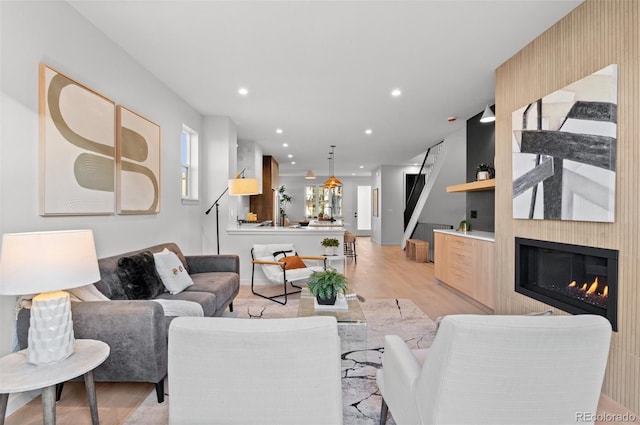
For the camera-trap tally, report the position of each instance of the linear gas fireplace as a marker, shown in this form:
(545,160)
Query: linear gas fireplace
(573,278)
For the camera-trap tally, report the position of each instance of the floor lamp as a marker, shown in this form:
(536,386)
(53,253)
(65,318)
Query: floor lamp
(237,187)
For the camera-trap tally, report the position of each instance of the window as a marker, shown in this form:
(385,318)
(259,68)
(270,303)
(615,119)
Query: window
(189,160)
(322,202)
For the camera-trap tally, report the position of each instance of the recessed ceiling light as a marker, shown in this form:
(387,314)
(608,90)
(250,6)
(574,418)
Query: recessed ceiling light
(362,166)
(396,92)
(279,130)
(353,174)
(368,131)
(286,145)
(290,156)
(243,91)
(293,163)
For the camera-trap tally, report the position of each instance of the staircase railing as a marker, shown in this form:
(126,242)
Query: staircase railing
(419,192)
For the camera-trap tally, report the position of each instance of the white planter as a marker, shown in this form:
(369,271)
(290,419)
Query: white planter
(330,250)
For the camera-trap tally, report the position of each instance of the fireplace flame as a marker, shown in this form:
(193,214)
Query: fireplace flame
(593,287)
(590,289)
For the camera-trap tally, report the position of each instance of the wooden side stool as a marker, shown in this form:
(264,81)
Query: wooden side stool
(411,249)
(422,251)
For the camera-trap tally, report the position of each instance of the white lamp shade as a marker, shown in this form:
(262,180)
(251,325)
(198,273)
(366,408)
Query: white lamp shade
(487,115)
(243,186)
(37,262)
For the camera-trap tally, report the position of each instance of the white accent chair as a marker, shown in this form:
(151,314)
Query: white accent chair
(248,371)
(272,258)
(498,370)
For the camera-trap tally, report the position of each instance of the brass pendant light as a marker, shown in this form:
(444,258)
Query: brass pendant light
(332,182)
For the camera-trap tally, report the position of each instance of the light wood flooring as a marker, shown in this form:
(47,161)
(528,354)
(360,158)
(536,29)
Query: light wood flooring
(380,272)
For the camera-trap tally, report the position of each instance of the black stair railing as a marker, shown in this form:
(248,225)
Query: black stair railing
(416,188)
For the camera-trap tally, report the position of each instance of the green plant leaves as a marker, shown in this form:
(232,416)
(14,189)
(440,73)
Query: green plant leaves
(330,242)
(327,283)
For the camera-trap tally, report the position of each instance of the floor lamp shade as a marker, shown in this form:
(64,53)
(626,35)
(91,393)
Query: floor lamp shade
(46,263)
(242,186)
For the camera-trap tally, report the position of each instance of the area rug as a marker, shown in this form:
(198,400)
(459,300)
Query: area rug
(360,396)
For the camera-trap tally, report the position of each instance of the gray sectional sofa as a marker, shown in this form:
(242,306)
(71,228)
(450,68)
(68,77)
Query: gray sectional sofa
(136,330)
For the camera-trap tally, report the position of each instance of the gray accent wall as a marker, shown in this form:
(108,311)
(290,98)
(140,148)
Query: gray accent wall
(480,149)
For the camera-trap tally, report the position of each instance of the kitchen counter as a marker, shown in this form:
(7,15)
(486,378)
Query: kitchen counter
(473,234)
(246,229)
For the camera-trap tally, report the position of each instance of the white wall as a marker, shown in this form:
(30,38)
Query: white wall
(219,143)
(392,202)
(387,228)
(443,207)
(53,33)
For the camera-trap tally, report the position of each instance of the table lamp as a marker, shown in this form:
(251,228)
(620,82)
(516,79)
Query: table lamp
(46,263)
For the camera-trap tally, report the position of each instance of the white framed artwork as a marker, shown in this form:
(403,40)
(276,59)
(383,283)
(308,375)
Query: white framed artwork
(564,152)
(77,147)
(138,163)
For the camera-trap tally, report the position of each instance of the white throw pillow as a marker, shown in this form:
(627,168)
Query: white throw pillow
(172,272)
(87,293)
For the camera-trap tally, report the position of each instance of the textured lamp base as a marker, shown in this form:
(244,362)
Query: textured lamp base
(51,328)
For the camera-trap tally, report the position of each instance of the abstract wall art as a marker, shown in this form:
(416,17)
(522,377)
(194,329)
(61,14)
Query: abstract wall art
(375,202)
(77,147)
(564,152)
(138,164)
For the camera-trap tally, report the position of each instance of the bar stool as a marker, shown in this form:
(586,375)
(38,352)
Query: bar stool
(350,246)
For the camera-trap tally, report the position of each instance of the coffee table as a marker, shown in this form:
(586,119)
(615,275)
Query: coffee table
(352,324)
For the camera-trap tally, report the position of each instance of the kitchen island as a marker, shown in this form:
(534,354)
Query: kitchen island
(305,239)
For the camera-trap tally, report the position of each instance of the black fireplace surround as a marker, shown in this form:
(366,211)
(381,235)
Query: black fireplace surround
(576,279)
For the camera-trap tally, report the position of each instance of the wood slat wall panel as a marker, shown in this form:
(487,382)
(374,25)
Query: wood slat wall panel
(594,35)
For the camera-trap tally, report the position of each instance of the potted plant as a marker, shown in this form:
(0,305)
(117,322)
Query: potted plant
(465,226)
(325,286)
(283,200)
(485,172)
(330,245)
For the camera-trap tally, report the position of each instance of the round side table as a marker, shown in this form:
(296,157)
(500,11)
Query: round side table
(17,375)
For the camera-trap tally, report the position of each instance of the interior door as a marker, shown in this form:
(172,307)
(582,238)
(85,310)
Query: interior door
(363,211)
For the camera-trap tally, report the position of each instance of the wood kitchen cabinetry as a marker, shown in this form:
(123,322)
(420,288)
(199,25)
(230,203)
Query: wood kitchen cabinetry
(466,264)
(263,205)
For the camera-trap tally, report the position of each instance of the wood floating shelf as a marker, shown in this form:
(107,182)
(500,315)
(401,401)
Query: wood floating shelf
(489,184)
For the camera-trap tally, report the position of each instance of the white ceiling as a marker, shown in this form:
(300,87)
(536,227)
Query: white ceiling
(323,70)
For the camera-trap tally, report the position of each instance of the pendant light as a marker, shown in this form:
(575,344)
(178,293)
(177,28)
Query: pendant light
(332,182)
(310,175)
(488,115)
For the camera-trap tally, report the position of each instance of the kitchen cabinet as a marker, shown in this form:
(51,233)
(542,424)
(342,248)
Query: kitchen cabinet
(264,204)
(466,263)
